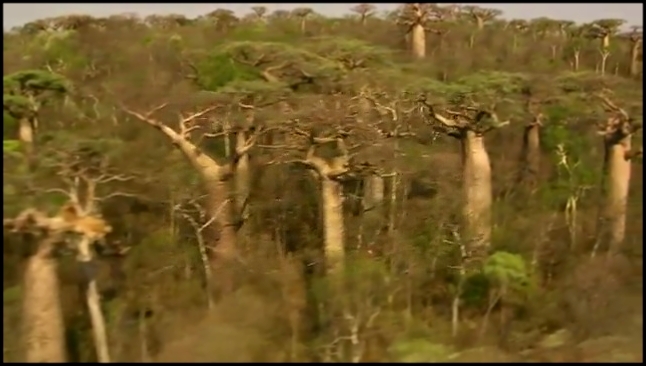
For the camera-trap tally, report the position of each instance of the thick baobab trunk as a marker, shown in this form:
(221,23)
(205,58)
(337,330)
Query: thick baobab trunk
(215,177)
(332,196)
(531,154)
(220,208)
(616,185)
(26,137)
(418,41)
(44,330)
(477,191)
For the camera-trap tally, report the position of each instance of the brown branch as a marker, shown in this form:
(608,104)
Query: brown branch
(611,106)
(634,154)
(446,122)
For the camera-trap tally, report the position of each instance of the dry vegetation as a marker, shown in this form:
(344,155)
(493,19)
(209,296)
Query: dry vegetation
(429,184)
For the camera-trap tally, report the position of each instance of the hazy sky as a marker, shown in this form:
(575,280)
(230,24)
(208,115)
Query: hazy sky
(17,14)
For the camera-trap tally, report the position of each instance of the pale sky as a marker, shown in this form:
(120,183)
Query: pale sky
(18,14)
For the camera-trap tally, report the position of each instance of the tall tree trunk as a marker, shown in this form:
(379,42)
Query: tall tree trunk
(215,178)
(418,41)
(373,191)
(93,301)
(634,59)
(26,136)
(332,196)
(531,155)
(303,25)
(477,191)
(44,330)
(576,64)
(220,206)
(242,177)
(612,223)
(391,212)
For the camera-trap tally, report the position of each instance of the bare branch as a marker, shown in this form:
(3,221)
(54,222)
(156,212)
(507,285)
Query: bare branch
(611,106)
(438,117)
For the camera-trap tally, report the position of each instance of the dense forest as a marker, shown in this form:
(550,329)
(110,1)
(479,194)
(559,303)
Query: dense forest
(431,184)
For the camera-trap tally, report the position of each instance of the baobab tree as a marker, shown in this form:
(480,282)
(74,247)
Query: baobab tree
(576,40)
(469,125)
(480,17)
(617,131)
(518,27)
(414,17)
(603,30)
(224,19)
(84,171)
(25,92)
(302,14)
(547,30)
(216,177)
(330,149)
(635,37)
(391,126)
(444,18)
(365,11)
(44,331)
(530,153)
(260,12)
(538,95)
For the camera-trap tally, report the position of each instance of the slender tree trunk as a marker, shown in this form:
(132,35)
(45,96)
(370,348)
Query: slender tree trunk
(634,59)
(332,196)
(577,61)
(242,177)
(93,302)
(418,41)
(531,154)
(44,330)
(391,213)
(615,196)
(604,62)
(477,191)
(514,44)
(303,25)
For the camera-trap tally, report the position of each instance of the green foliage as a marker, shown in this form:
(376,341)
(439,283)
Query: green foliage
(349,49)
(25,91)
(493,82)
(501,271)
(254,87)
(507,270)
(475,289)
(576,172)
(218,69)
(35,82)
(11,295)
(419,350)
(59,51)
(10,146)
(15,107)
